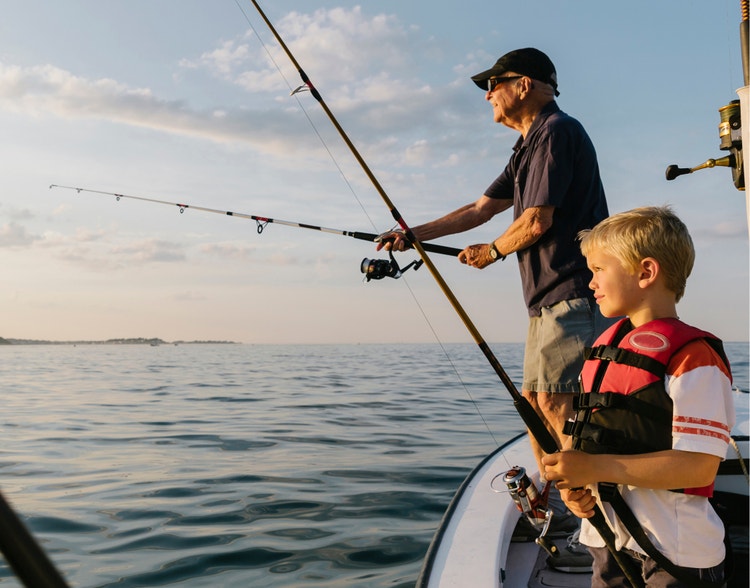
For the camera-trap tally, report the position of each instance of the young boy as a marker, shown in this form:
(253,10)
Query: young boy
(655,410)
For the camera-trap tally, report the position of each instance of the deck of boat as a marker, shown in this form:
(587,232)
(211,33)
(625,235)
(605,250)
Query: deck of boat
(527,563)
(527,568)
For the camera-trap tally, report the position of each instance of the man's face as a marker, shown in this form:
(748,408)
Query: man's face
(504,97)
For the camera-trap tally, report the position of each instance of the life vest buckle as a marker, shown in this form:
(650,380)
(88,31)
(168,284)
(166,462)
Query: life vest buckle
(609,353)
(595,400)
(607,491)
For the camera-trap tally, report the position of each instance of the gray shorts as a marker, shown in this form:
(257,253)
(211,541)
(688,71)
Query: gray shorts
(554,346)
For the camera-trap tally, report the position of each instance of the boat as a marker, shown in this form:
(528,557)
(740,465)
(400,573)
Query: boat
(479,542)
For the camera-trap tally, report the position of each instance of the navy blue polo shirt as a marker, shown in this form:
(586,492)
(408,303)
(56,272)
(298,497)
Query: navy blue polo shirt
(554,165)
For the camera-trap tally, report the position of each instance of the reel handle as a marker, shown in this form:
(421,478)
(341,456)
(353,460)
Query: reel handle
(673,171)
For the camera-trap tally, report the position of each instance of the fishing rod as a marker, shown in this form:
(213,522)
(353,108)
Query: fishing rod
(374,269)
(28,560)
(522,404)
(527,413)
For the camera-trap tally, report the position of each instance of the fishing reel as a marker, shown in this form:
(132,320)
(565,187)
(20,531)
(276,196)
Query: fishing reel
(531,503)
(377,269)
(730,137)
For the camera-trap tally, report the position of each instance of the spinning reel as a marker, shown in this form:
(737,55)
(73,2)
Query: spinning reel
(377,269)
(730,137)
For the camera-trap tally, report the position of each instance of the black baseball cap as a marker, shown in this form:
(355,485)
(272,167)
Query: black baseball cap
(527,62)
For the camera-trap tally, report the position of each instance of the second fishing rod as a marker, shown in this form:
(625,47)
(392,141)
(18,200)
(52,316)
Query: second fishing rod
(374,269)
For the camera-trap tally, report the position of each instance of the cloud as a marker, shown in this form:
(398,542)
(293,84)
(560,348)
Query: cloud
(95,250)
(231,251)
(14,235)
(20,214)
(223,59)
(149,251)
(340,45)
(44,91)
(47,89)
(722,230)
(368,60)
(189,296)
(51,239)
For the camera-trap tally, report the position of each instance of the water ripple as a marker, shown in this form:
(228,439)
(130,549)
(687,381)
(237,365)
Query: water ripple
(235,466)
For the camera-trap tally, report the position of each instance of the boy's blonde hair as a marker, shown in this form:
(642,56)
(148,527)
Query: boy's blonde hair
(650,231)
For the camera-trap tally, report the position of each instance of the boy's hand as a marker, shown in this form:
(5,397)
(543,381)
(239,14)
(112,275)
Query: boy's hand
(570,469)
(581,502)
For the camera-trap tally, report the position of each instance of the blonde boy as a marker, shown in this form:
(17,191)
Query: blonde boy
(655,410)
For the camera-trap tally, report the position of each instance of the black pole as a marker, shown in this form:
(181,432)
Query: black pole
(23,553)
(525,410)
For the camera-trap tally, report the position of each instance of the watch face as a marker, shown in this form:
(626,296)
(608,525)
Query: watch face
(493,252)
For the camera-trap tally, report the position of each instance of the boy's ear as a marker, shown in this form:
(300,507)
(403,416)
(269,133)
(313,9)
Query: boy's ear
(648,271)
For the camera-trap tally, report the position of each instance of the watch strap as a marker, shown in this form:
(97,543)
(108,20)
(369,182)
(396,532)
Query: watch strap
(495,252)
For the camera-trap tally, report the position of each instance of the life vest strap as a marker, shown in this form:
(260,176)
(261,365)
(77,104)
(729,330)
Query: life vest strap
(631,403)
(625,357)
(606,440)
(609,493)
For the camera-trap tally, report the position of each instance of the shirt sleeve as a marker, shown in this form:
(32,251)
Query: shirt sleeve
(700,385)
(552,167)
(503,186)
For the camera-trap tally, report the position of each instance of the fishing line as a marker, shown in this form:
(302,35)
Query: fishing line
(527,413)
(522,405)
(474,403)
(294,92)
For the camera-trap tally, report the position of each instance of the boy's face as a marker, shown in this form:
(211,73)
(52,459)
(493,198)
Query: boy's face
(616,289)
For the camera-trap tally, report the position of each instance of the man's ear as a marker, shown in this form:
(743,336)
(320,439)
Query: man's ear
(524,85)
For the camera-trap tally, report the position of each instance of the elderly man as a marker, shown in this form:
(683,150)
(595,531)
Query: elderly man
(552,182)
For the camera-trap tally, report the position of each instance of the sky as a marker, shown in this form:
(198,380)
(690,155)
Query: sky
(189,101)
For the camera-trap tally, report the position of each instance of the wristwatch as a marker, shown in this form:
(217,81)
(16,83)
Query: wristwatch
(494,253)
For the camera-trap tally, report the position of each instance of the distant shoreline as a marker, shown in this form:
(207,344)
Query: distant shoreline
(131,341)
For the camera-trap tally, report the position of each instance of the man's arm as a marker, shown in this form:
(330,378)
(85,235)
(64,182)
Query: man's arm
(465,218)
(460,220)
(526,230)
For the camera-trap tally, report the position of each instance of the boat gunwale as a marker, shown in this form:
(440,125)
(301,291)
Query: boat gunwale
(437,540)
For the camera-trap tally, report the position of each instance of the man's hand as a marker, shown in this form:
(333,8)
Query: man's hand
(477,256)
(394,240)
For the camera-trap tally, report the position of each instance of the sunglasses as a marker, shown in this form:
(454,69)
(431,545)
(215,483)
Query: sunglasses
(492,83)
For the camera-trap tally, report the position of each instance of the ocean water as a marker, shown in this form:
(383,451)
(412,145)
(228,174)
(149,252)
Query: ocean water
(247,465)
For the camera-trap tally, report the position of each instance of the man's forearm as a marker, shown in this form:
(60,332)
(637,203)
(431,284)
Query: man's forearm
(462,219)
(525,230)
